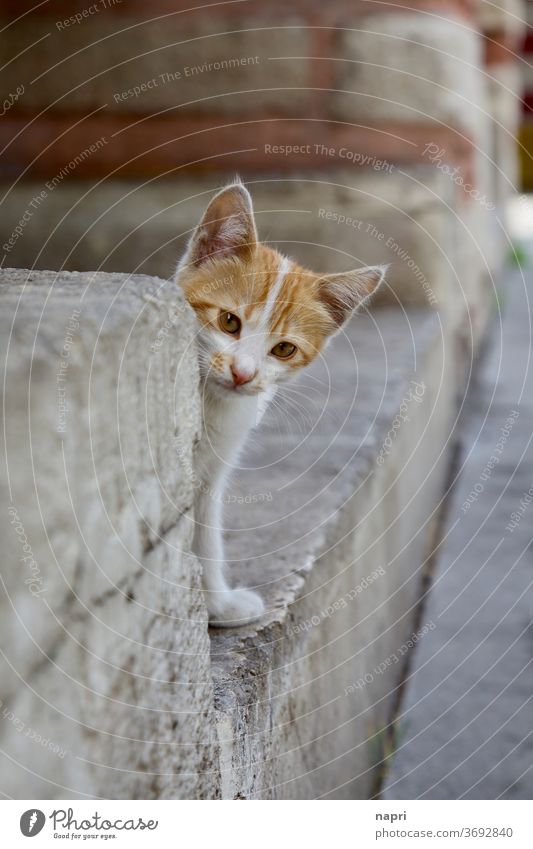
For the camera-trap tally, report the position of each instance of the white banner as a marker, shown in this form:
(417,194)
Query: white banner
(264,825)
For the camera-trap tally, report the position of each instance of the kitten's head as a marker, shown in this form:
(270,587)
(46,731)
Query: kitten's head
(262,316)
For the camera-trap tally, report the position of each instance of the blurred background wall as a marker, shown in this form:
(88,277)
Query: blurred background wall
(368,132)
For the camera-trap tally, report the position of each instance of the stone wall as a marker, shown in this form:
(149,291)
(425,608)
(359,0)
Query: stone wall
(104,634)
(111,684)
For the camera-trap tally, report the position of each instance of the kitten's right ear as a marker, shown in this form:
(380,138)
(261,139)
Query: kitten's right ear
(344,293)
(227,229)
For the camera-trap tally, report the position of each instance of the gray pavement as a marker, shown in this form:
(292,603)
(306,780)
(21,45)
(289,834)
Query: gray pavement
(465,726)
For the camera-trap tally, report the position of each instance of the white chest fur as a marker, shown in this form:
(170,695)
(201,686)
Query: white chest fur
(227,422)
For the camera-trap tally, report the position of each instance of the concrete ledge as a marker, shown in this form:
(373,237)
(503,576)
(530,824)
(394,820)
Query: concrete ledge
(338,551)
(464,724)
(110,684)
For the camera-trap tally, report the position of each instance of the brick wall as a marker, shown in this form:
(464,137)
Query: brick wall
(164,84)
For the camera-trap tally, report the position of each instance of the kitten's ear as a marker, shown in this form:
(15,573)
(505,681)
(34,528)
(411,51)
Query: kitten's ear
(227,229)
(345,292)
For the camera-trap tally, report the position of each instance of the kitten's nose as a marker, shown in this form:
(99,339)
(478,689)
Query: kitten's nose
(241,376)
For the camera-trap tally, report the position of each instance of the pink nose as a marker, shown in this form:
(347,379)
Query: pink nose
(241,377)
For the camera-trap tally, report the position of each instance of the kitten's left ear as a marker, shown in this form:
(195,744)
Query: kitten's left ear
(227,228)
(343,293)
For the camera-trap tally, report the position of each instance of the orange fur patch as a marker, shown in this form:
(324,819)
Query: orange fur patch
(299,314)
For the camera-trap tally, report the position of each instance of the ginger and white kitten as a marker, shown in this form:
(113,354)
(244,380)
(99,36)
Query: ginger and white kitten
(261,318)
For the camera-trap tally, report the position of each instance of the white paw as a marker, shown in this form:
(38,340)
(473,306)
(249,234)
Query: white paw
(234,607)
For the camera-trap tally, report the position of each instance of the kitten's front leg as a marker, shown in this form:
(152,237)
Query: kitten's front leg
(226,607)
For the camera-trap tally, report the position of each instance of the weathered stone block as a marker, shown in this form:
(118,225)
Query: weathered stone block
(104,630)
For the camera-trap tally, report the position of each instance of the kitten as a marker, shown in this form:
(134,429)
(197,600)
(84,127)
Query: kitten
(261,318)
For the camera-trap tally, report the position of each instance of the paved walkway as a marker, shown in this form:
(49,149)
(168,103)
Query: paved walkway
(466,718)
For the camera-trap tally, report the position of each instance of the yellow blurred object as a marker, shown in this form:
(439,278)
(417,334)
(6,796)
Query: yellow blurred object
(525,138)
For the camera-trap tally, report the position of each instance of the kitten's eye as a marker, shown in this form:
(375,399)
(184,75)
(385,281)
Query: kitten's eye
(229,323)
(283,350)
